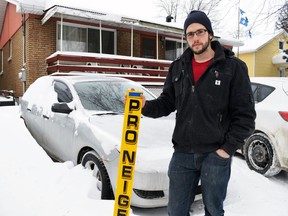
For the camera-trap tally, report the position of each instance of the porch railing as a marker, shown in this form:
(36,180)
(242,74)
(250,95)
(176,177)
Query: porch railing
(134,68)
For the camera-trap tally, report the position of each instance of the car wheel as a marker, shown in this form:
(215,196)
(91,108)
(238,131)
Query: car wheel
(91,161)
(260,155)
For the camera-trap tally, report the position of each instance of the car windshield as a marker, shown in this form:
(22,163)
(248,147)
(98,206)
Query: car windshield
(106,95)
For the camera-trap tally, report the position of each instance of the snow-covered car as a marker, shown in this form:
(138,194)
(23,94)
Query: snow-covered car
(266,150)
(79,118)
(7,98)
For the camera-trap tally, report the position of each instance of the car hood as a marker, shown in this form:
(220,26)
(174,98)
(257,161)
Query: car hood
(154,141)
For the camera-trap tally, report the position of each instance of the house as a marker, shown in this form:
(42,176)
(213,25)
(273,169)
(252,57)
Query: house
(42,37)
(264,53)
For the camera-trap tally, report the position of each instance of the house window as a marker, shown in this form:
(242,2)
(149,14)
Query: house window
(2,62)
(107,41)
(281,45)
(10,50)
(282,72)
(82,39)
(148,47)
(173,49)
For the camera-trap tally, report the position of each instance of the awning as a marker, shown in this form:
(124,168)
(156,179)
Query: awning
(75,12)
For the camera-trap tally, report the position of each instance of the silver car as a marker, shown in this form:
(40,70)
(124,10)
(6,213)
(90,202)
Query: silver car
(79,118)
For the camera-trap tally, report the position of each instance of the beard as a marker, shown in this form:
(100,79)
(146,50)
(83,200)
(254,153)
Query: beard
(202,50)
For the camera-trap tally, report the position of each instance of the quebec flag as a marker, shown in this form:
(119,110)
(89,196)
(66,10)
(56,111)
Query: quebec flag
(243,19)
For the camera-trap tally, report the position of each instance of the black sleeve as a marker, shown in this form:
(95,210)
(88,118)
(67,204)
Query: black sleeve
(242,109)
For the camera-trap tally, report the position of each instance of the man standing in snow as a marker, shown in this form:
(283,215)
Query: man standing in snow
(210,90)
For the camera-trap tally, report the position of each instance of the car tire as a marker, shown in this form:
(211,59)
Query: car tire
(260,155)
(92,162)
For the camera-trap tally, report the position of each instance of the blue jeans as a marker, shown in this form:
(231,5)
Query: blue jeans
(185,171)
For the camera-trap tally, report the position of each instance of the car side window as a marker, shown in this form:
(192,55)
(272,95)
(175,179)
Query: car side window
(63,92)
(260,91)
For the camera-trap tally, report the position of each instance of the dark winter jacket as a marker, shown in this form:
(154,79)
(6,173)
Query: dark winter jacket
(217,112)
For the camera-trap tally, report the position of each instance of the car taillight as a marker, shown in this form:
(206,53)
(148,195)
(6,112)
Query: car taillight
(284,115)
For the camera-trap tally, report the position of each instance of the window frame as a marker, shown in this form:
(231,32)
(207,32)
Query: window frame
(185,45)
(63,91)
(9,50)
(87,27)
(281,44)
(2,62)
(258,91)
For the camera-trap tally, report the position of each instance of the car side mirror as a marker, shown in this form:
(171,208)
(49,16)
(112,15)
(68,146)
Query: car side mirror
(61,108)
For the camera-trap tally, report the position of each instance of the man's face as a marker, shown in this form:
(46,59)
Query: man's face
(198,38)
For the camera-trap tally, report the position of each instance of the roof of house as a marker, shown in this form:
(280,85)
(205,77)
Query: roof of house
(3,5)
(91,9)
(256,42)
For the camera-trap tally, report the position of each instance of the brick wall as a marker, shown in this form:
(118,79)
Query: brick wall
(124,44)
(41,42)
(9,79)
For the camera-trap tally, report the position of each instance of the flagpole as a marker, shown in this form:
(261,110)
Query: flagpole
(238,26)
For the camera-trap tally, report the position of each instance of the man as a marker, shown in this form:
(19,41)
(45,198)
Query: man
(210,90)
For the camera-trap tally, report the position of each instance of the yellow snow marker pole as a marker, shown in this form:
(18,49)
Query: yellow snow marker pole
(127,159)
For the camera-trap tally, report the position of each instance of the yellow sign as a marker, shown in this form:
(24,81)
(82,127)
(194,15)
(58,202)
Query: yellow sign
(132,116)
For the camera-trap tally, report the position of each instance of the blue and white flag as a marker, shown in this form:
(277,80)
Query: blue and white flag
(243,19)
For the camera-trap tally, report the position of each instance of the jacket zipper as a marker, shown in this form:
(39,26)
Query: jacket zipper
(207,69)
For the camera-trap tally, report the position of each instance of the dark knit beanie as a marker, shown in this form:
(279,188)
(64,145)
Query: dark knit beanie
(196,16)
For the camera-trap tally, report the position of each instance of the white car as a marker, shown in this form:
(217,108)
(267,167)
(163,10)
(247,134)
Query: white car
(80,118)
(266,151)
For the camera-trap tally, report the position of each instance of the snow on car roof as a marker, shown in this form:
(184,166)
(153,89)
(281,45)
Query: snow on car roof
(82,76)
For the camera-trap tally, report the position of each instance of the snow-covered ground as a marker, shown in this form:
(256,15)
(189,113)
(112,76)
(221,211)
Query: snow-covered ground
(31,184)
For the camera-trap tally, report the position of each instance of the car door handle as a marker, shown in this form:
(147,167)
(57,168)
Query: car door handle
(45,117)
(29,109)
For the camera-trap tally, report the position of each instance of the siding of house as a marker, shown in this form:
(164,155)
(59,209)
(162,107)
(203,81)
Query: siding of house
(249,59)
(259,63)
(264,65)
(12,23)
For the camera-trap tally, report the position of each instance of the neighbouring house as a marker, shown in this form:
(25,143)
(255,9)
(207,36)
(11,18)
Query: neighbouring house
(264,54)
(42,37)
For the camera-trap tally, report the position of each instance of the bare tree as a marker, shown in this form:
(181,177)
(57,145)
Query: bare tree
(173,8)
(282,22)
(170,7)
(205,5)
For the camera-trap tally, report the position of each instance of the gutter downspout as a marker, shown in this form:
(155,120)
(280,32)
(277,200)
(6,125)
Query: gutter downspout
(23,69)
(61,33)
(100,37)
(157,43)
(132,42)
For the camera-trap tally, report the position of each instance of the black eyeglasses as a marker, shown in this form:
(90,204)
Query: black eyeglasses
(199,33)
